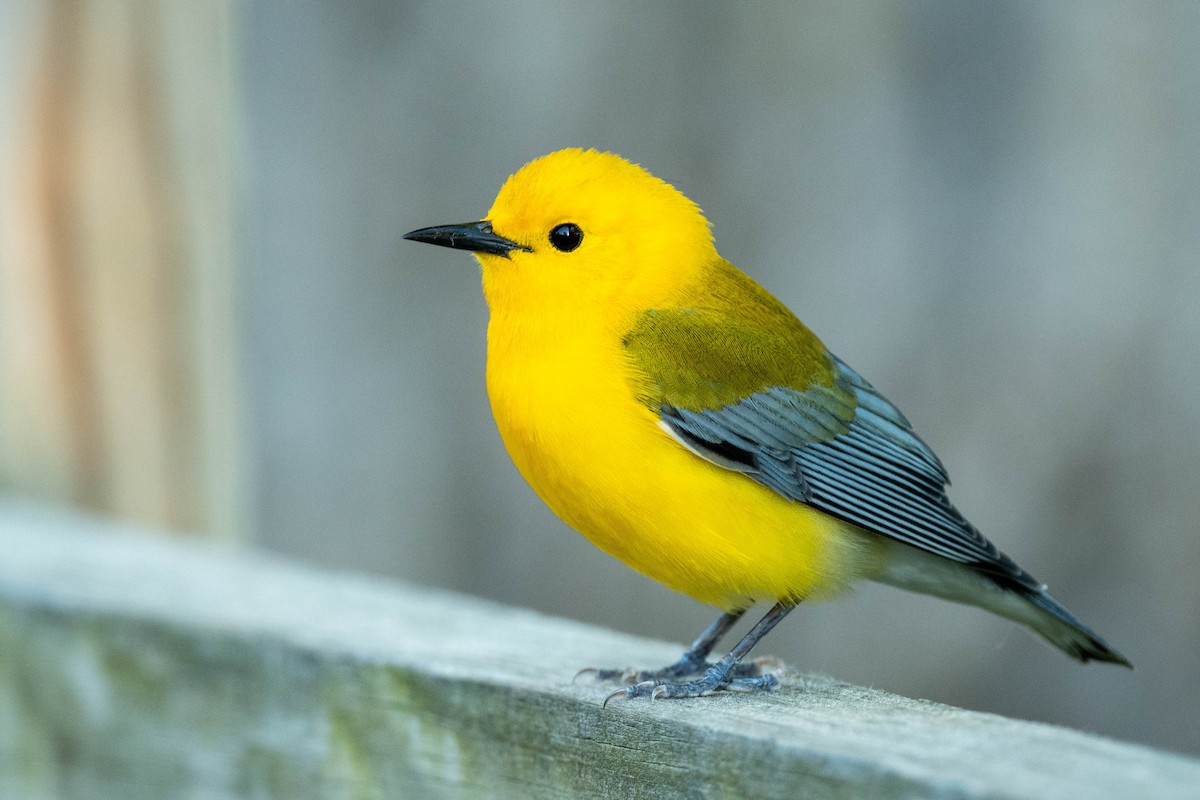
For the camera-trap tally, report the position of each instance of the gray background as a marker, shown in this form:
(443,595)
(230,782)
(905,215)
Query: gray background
(991,210)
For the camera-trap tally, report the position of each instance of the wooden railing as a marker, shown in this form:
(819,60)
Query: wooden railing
(136,666)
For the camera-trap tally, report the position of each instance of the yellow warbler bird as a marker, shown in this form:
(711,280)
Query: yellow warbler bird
(676,414)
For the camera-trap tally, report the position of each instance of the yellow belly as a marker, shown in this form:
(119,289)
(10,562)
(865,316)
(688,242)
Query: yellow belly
(568,414)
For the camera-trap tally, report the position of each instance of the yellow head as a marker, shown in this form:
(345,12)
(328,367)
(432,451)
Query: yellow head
(583,232)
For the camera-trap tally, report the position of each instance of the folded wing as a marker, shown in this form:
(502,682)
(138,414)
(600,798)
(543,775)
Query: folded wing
(836,444)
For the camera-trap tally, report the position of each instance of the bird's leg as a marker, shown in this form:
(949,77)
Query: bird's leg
(692,662)
(718,676)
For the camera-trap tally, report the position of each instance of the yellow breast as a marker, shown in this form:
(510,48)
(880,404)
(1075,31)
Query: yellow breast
(565,405)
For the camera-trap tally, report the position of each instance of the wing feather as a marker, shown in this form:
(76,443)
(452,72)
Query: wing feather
(846,451)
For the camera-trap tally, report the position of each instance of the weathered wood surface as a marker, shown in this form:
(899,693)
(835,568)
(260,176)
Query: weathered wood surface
(138,667)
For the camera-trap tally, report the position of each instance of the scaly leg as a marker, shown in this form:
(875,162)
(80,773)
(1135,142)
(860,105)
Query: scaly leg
(693,662)
(722,675)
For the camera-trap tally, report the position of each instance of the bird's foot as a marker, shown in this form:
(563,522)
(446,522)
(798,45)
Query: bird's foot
(683,668)
(714,679)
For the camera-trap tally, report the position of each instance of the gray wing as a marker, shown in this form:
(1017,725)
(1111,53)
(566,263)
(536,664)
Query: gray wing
(856,460)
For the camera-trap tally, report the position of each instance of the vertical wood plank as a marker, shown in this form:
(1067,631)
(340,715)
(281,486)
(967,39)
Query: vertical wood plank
(118,260)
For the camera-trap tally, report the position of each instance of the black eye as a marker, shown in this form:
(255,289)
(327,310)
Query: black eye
(566,237)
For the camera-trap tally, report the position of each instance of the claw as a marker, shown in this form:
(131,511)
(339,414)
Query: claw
(643,689)
(617,693)
(584,671)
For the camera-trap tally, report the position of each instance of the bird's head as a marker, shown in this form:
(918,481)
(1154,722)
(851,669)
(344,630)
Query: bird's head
(584,232)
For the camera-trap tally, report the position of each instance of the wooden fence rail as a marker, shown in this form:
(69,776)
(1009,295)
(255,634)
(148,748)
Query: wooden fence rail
(140,667)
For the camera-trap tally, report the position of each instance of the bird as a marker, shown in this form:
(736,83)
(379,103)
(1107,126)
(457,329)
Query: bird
(674,412)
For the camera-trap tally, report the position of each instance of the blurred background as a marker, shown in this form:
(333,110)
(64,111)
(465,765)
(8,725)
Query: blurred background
(209,322)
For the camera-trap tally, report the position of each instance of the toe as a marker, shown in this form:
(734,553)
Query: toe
(643,689)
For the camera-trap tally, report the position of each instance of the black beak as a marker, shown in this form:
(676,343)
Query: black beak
(477,237)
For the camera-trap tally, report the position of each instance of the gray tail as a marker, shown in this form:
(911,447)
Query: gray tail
(1064,631)
(1002,588)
